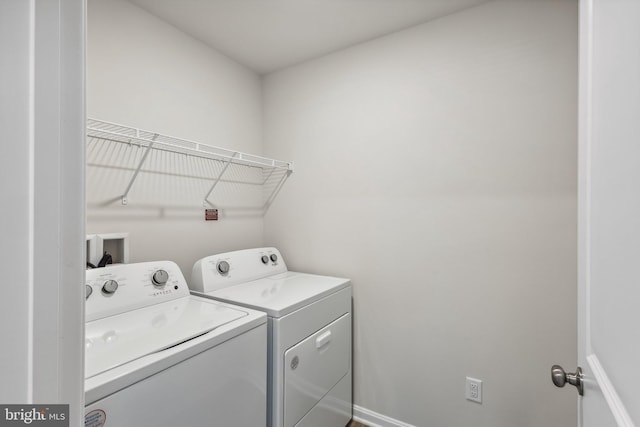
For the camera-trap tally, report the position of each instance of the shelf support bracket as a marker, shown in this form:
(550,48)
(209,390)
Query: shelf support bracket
(224,169)
(268,176)
(275,191)
(135,174)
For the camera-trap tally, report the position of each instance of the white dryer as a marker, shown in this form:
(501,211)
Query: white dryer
(309,323)
(157,356)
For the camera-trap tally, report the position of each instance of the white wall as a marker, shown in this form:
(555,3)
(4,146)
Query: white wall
(145,73)
(436,167)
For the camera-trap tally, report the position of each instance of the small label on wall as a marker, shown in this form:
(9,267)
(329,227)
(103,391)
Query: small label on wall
(211,214)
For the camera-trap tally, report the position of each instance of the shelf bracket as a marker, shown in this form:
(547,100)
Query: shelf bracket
(135,174)
(276,190)
(268,176)
(206,202)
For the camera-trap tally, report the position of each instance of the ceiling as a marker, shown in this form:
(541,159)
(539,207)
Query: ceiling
(266,35)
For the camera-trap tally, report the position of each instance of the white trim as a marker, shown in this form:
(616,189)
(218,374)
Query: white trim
(72,33)
(31,209)
(373,419)
(613,400)
(585,141)
(584,183)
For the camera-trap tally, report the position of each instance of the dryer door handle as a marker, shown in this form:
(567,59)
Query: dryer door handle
(323,339)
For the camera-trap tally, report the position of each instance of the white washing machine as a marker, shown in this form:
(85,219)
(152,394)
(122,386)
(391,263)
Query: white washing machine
(309,323)
(158,356)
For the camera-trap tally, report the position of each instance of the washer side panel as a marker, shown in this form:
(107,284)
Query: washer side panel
(224,386)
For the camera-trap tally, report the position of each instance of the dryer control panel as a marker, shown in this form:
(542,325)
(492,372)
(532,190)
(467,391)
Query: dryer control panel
(119,288)
(233,268)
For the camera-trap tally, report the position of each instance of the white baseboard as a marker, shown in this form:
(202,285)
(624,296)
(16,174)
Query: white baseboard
(373,419)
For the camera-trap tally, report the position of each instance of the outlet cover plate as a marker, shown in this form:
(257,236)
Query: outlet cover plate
(473,390)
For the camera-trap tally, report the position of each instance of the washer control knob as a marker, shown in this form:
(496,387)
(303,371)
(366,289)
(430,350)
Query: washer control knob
(223,267)
(109,287)
(88,290)
(274,257)
(160,278)
(265,259)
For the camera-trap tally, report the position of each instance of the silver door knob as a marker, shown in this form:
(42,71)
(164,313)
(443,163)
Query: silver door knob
(560,378)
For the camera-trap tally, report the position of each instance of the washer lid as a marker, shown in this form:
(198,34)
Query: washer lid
(281,294)
(115,340)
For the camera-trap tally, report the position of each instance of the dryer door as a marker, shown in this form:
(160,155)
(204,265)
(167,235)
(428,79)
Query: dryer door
(313,366)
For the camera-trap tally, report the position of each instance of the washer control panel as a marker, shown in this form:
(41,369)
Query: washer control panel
(232,268)
(120,288)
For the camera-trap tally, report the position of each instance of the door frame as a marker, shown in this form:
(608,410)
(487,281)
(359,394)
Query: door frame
(43,70)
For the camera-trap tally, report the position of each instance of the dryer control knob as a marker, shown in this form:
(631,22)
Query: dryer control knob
(109,287)
(223,267)
(160,278)
(88,290)
(265,259)
(274,257)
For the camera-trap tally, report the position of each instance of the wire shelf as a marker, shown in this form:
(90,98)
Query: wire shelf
(149,153)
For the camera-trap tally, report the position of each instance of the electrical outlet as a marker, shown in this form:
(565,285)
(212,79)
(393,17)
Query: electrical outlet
(474,390)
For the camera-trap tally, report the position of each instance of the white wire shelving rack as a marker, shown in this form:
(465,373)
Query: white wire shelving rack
(149,141)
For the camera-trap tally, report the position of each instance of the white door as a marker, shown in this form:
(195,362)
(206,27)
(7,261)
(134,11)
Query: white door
(609,212)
